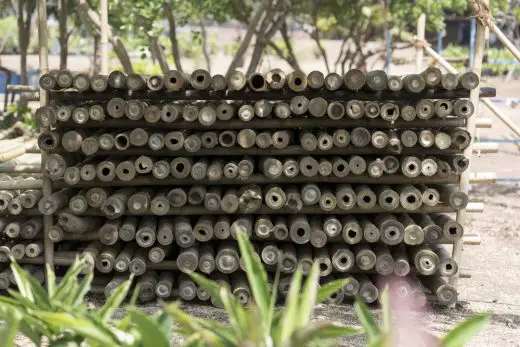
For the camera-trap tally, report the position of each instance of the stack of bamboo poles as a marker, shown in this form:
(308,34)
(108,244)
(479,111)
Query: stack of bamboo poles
(154,175)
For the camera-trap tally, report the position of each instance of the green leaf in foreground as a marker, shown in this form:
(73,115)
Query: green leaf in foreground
(464,331)
(367,321)
(150,331)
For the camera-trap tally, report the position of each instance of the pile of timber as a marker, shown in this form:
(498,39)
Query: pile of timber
(154,175)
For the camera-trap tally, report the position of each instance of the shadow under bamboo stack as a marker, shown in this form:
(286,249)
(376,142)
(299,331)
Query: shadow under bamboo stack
(154,175)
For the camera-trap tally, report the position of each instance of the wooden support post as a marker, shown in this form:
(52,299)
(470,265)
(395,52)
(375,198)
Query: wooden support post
(44,100)
(419,50)
(104,36)
(480,47)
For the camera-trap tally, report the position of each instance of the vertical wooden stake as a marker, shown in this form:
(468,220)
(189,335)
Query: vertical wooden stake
(480,47)
(104,36)
(421,23)
(44,100)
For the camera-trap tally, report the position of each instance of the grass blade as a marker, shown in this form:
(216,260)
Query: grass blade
(367,321)
(290,315)
(329,288)
(256,276)
(114,301)
(464,331)
(151,333)
(308,298)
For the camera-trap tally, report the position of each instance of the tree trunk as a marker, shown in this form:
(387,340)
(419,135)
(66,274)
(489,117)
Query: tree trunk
(96,57)
(173,36)
(63,35)
(95,22)
(287,40)
(251,29)
(205,45)
(264,36)
(24,33)
(158,53)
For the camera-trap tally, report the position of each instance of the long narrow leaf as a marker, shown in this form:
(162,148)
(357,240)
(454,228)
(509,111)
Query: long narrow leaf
(236,313)
(83,289)
(50,280)
(213,333)
(274,297)
(69,280)
(165,322)
(150,331)
(322,330)
(329,288)
(114,301)
(367,321)
(9,330)
(22,282)
(464,331)
(290,314)
(386,326)
(308,298)
(211,286)
(80,325)
(256,276)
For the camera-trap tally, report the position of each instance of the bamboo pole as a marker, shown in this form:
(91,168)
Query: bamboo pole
(471,127)
(489,104)
(483,15)
(419,50)
(104,36)
(44,100)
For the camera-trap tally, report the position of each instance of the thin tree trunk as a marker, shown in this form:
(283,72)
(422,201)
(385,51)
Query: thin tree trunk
(205,45)
(158,53)
(260,39)
(63,35)
(261,42)
(287,41)
(95,22)
(96,57)
(316,37)
(24,33)
(239,55)
(173,36)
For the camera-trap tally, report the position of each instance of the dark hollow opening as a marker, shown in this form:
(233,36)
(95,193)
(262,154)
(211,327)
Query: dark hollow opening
(179,167)
(173,80)
(300,232)
(257,81)
(298,81)
(411,199)
(352,234)
(200,78)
